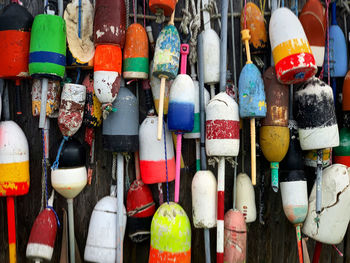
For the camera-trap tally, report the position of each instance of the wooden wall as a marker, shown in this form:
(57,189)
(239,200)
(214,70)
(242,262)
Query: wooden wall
(273,241)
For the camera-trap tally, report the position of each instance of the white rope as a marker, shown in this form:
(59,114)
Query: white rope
(213,160)
(194,28)
(185,19)
(212,8)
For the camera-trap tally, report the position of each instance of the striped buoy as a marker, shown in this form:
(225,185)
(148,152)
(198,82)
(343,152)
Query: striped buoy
(47,55)
(235,237)
(92,110)
(294,61)
(107,73)
(70,116)
(315,114)
(170,235)
(313,20)
(222,126)
(101,242)
(135,55)
(121,128)
(311,158)
(53,98)
(245,200)
(109,27)
(333,222)
(15,26)
(342,152)
(274,132)
(204,199)
(152,153)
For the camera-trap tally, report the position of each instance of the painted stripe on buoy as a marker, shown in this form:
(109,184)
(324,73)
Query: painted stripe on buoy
(47,57)
(222,129)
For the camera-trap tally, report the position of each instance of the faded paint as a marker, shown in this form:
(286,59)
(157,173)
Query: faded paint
(92,111)
(245,201)
(274,142)
(211,58)
(53,98)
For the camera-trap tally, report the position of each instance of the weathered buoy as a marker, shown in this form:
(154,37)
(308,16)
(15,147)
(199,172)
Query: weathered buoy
(140,208)
(342,152)
(245,200)
(274,132)
(47,56)
(165,7)
(313,20)
(70,116)
(155,86)
(121,128)
(166,63)
(15,26)
(14,174)
(152,153)
(170,235)
(53,98)
(79,17)
(101,242)
(338,59)
(311,158)
(235,237)
(315,114)
(135,56)
(204,199)
(92,110)
(42,236)
(294,61)
(107,73)
(333,222)
(109,27)
(222,126)
(252,19)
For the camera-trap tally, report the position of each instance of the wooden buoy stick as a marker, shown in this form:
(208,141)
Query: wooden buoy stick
(319,182)
(300,249)
(161,107)
(120,199)
(11,226)
(71,230)
(44,88)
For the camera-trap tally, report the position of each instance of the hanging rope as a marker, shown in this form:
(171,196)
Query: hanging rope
(56,163)
(127,178)
(194,29)
(186,18)
(262,7)
(212,8)
(166,164)
(144,13)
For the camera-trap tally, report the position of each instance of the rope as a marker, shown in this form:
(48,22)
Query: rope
(212,8)
(45,171)
(262,7)
(127,11)
(166,164)
(134,10)
(56,163)
(160,17)
(79,20)
(127,178)
(114,166)
(245,14)
(144,13)
(106,109)
(186,17)
(194,29)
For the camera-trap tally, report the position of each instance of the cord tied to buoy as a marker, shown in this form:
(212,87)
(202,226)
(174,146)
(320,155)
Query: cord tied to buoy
(56,163)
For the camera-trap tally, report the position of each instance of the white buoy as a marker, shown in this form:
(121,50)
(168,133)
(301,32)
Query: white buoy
(245,201)
(333,218)
(204,199)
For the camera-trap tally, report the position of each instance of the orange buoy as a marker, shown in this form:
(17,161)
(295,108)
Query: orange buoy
(252,19)
(135,55)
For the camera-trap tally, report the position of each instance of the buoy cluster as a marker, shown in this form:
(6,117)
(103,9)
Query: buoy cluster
(288,100)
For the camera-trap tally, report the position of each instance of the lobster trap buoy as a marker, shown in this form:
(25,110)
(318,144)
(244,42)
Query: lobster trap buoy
(251,16)
(92,111)
(152,153)
(107,74)
(315,115)
(79,22)
(109,27)
(333,222)
(222,126)
(121,128)
(135,55)
(245,200)
(204,199)
(170,235)
(313,20)
(311,157)
(47,55)
(42,236)
(70,115)
(101,242)
(166,63)
(342,152)
(15,27)
(235,237)
(274,131)
(53,98)
(140,208)
(294,61)
(165,7)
